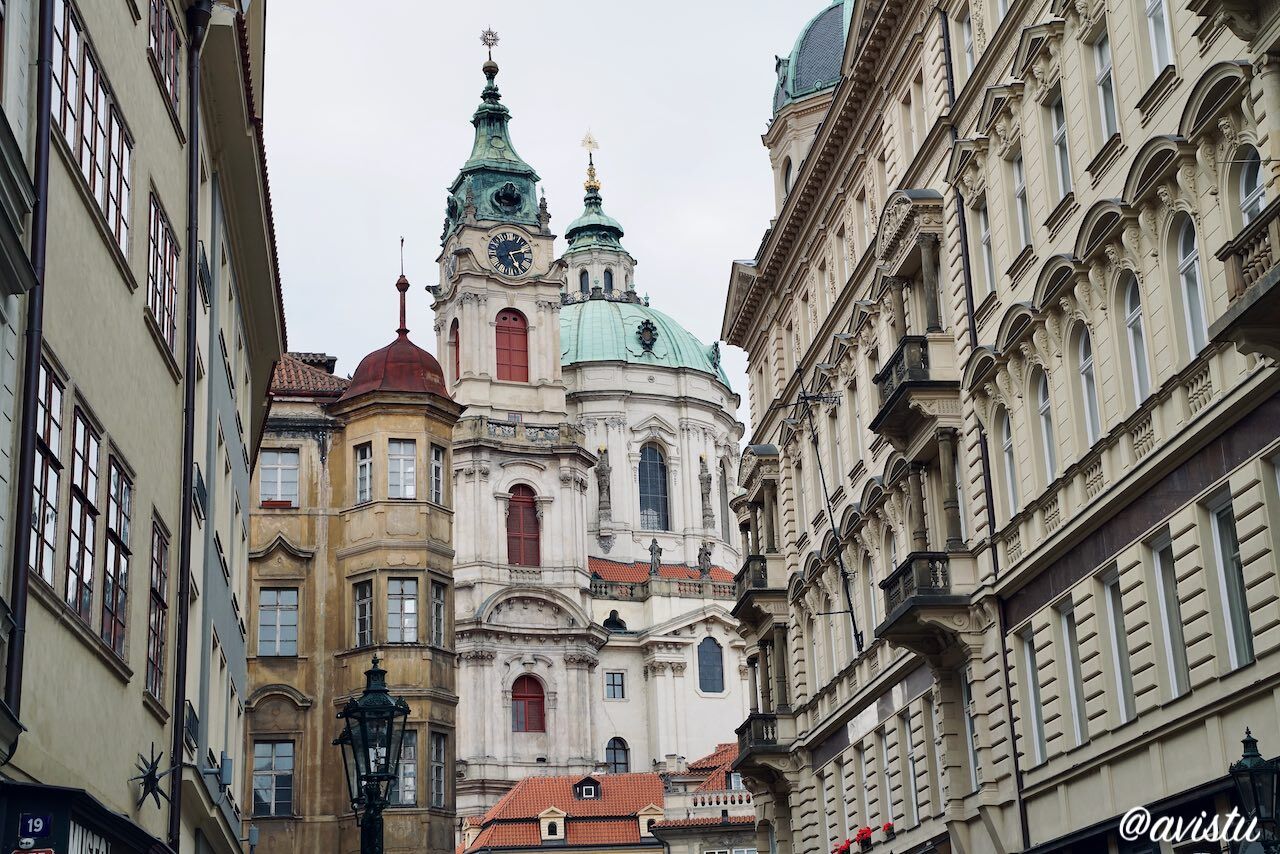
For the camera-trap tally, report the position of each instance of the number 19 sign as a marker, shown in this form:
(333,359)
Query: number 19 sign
(33,826)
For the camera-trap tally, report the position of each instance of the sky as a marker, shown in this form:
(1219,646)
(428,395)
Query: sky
(367,119)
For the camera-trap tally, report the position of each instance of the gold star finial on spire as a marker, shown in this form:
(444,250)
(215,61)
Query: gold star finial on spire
(589,143)
(489,39)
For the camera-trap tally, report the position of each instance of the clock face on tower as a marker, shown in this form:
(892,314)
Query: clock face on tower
(510,253)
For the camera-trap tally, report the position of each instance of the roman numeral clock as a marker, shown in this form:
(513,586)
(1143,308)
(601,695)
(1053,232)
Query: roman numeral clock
(510,253)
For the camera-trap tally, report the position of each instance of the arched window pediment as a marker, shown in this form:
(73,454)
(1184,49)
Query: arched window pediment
(528,705)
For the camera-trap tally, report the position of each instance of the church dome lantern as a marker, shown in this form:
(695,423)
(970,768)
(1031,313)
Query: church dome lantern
(401,366)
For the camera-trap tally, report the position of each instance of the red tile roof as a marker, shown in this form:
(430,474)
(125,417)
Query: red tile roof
(523,834)
(294,376)
(724,754)
(620,795)
(709,821)
(611,831)
(635,573)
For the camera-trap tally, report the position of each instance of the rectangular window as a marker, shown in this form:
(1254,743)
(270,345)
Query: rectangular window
(802,516)
(988,255)
(278,621)
(1232,586)
(83,535)
(90,121)
(1120,664)
(1075,682)
(437,474)
(1158,32)
(278,478)
(882,777)
(1022,208)
(1171,619)
(48,468)
(364,613)
(970,729)
(966,36)
(162,273)
(158,611)
(439,616)
(615,685)
(404,789)
(273,778)
(402,610)
(364,473)
(115,577)
(911,784)
(1061,147)
(1035,711)
(1106,86)
(401,471)
(439,762)
(164,43)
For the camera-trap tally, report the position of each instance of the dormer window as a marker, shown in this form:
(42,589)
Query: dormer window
(553,829)
(587,789)
(588,792)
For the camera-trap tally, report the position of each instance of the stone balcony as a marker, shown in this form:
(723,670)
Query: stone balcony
(764,741)
(760,588)
(1252,260)
(919,382)
(926,599)
(639,591)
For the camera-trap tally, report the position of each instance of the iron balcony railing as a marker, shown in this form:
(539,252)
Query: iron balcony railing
(909,363)
(922,573)
(754,575)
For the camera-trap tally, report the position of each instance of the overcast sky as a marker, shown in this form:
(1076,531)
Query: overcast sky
(368,110)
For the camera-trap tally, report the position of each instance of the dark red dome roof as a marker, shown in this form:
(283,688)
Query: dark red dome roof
(401,366)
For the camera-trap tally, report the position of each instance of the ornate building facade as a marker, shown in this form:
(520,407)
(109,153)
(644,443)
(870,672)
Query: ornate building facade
(351,559)
(598,438)
(1015,321)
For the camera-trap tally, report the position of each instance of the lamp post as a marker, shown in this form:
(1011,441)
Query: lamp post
(371,740)
(1255,782)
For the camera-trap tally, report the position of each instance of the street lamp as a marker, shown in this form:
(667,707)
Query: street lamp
(371,741)
(1255,781)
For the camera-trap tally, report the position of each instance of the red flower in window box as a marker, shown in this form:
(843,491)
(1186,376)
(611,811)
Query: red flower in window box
(843,847)
(888,830)
(863,838)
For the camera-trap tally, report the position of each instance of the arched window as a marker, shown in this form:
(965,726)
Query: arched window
(617,756)
(455,349)
(1192,294)
(513,346)
(1045,408)
(1137,339)
(553,829)
(524,540)
(654,515)
(786,176)
(710,666)
(890,552)
(584,283)
(1252,191)
(528,705)
(1088,386)
(1010,464)
(608,281)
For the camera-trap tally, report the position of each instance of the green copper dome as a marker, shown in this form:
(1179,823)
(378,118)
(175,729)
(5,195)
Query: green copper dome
(816,61)
(594,229)
(495,183)
(620,330)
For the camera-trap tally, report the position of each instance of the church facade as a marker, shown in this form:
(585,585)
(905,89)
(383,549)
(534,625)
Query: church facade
(592,471)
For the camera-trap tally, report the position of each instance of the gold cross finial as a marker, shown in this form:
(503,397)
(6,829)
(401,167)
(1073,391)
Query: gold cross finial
(589,143)
(490,40)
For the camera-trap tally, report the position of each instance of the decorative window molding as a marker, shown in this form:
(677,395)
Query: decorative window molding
(1037,60)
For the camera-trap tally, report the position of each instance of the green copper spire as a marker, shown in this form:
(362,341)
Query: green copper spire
(495,184)
(594,229)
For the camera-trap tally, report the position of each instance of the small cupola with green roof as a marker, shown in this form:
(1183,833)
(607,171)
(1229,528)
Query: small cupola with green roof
(495,184)
(597,263)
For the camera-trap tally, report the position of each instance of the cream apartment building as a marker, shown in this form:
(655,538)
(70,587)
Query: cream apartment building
(134,644)
(1015,319)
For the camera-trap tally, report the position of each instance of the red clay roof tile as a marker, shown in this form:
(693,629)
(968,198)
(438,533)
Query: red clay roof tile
(635,573)
(294,376)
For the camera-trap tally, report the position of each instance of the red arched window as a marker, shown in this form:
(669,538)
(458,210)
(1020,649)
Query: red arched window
(527,713)
(524,547)
(513,346)
(454,345)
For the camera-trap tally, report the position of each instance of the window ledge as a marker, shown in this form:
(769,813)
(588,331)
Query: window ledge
(1158,92)
(277,505)
(1060,214)
(1107,155)
(95,213)
(80,629)
(157,336)
(155,707)
(1025,260)
(986,307)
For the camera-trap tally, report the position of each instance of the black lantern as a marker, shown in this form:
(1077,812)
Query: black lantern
(371,741)
(1255,781)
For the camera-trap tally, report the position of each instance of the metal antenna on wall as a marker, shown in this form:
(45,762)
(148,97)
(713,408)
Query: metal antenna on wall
(807,399)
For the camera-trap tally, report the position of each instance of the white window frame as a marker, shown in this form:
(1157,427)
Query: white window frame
(1061,146)
(988,254)
(1088,387)
(363,593)
(1252,192)
(622,685)
(1106,83)
(1171,626)
(1160,39)
(437,474)
(1231,584)
(273,614)
(1010,462)
(402,610)
(1121,665)
(911,805)
(970,728)
(1136,332)
(966,39)
(439,763)
(405,791)
(1075,682)
(1193,302)
(439,613)
(402,469)
(1035,711)
(273,484)
(1020,201)
(1044,406)
(364,473)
